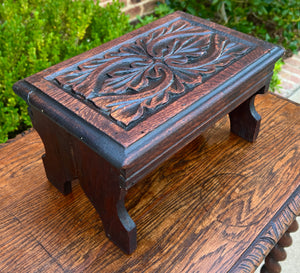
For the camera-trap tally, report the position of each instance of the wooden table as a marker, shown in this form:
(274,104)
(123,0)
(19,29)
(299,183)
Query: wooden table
(219,205)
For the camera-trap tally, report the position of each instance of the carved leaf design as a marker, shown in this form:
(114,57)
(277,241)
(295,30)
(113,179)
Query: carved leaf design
(152,71)
(130,107)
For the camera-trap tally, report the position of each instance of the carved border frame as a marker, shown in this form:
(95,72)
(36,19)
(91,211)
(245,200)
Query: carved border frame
(271,234)
(257,59)
(137,78)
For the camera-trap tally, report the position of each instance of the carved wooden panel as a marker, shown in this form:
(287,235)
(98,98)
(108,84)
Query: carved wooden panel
(141,76)
(270,235)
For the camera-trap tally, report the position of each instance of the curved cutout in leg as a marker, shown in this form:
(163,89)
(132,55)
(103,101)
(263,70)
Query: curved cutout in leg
(109,200)
(101,183)
(245,121)
(58,160)
(122,229)
(56,174)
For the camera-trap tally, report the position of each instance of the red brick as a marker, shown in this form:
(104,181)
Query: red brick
(133,12)
(287,85)
(293,61)
(290,77)
(135,1)
(297,56)
(149,7)
(290,68)
(105,2)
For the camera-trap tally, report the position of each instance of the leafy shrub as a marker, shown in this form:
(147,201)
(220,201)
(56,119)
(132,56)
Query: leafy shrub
(160,10)
(273,21)
(276,22)
(35,34)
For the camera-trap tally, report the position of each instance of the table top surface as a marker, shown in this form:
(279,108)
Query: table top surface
(145,81)
(219,205)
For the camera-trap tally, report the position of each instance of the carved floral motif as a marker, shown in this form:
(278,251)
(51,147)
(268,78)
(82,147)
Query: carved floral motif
(154,70)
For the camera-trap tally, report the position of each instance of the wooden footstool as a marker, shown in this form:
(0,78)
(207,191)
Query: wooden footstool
(113,114)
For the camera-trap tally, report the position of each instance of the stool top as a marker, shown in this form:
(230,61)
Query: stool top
(134,89)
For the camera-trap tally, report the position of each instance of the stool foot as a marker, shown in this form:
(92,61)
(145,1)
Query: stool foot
(56,175)
(119,227)
(245,121)
(58,160)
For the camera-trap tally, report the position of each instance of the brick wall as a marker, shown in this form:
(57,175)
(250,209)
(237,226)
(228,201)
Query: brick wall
(135,7)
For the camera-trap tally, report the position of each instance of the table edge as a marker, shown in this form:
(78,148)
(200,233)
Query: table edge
(269,236)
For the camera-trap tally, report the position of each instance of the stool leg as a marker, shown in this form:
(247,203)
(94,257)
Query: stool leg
(66,159)
(245,121)
(101,183)
(278,253)
(58,160)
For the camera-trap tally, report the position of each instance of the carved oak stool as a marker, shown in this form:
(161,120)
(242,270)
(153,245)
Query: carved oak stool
(111,115)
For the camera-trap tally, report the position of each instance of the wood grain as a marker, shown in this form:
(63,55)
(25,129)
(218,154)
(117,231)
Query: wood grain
(278,253)
(219,205)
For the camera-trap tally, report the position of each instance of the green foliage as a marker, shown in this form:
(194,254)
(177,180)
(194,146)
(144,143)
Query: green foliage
(273,21)
(160,10)
(275,82)
(276,22)
(35,34)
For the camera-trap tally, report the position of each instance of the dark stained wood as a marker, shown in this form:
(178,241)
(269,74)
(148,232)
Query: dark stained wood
(127,106)
(278,253)
(219,205)
(101,183)
(245,114)
(58,161)
(67,159)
